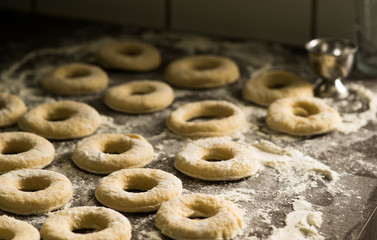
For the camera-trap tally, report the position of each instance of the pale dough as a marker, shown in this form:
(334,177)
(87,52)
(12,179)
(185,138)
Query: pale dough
(24,150)
(270,86)
(33,191)
(11,109)
(159,186)
(222,219)
(13,229)
(75,79)
(107,224)
(106,153)
(141,96)
(231,119)
(302,116)
(129,56)
(61,120)
(202,71)
(235,161)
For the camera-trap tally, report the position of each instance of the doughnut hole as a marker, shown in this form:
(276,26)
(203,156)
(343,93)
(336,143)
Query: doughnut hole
(304,109)
(278,83)
(89,223)
(6,234)
(131,51)
(200,210)
(15,146)
(204,119)
(33,184)
(209,64)
(77,73)
(217,153)
(142,89)
(115,146)
(207,113)
(59,114)
(2,106)
(137,184)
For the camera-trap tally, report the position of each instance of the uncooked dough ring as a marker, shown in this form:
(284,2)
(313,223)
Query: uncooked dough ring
(75,79)
(222,218)
(236,161)
(203,71)
(13,229)
(270,86)
(11,109)
(61,120)
(161,186)
(106,223)
(232,118)
(33,191)
(106,153)
(302,116)
(24,150)
(139,96)
(129,56)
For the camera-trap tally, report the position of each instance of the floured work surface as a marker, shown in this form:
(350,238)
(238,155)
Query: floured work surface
(317,187)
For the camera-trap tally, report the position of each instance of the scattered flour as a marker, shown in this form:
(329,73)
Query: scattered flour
(352,122)
(303,223)
(298,171)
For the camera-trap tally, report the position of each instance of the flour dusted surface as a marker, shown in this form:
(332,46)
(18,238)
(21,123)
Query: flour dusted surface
(320,170)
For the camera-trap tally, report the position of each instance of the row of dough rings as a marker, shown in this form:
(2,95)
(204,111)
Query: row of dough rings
(129,56)
(106,153)
(302,116)
(11,109)
(222,218)
(203,71)
(33,191)
(270,86)
(11,228)
(160,186)
(236,161)
(141,96)
(24,150)
(232,118)
(107,224)
(75,79)
(61,120)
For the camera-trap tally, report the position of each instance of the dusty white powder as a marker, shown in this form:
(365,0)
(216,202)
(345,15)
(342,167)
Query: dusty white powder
(303,223)
(298,171)
(352,122)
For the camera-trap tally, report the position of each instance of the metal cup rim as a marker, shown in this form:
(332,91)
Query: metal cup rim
(310,45)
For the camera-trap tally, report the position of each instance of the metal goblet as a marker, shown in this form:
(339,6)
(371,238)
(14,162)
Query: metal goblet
(332,60)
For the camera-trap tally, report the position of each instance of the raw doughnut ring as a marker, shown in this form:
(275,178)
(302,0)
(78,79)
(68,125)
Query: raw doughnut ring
(75,79)
(61,120)
(232,118)
(302,116)
(11,109)
(106,223)
(270,86)
(139,96)
(114,190)
(129,56)
(236,161)
(24,150)
(222,218)
(106,153)
(203,71)
(13,229)
(33,191)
